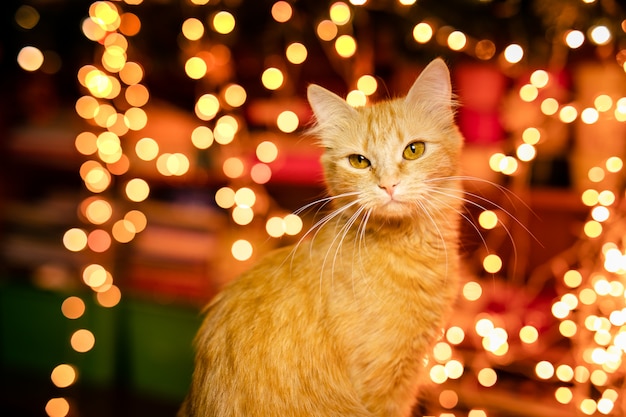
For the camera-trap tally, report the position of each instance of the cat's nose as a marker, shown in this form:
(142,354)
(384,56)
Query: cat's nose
(389,186)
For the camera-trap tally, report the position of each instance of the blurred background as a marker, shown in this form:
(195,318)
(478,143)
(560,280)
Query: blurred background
(151,151)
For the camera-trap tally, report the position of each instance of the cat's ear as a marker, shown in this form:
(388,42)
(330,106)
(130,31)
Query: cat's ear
(432,86)
(329,109)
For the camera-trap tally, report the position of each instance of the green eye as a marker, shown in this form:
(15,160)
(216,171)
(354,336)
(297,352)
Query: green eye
(414,150)
(359,161)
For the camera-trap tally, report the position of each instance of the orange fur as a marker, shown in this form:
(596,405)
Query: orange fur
(340,324)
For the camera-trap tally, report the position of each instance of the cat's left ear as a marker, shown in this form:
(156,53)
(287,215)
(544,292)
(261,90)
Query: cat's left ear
(329,109)
(432,86)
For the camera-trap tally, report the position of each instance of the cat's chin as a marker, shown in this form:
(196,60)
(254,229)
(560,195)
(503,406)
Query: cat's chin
(394,210)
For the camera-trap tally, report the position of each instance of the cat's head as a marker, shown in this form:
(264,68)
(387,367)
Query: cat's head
(393,153)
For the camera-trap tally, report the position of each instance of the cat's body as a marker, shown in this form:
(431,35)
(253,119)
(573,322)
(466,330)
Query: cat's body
(340,324)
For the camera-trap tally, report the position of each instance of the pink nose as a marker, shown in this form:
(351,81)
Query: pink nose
(389,186)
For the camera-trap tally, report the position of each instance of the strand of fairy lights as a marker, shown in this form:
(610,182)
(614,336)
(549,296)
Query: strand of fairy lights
(587,288)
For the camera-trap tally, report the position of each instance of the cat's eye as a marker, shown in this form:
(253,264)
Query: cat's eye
(359,161)
(414,150)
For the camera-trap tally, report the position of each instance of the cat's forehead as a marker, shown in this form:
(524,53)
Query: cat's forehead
(390,122)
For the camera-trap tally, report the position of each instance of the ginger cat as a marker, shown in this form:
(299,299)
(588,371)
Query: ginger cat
(340,324)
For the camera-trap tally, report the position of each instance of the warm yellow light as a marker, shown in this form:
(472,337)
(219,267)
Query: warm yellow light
(131,74)
(531,135)
(442,352)
(457,40)
(603,103)
(572,278)
(82,340)
(367,84)
(137,95)
(528,334)
(97,210)
(73,307)
(563,395)
(113,58)
(225,129)
(137,219)
(207,107)
(340,13)
(544,370)
(293,224)
(281,11)
(202,137)
(137,190)
(438,374)
(528,93)
(275,226)
(326,30)
(267,152)
(574,38)
(539,78)
(454,369)
(356,98)
(513,53)
(123,231)
(287,121)
(455,335)
(549,106)
(589,115)
(487,377)
(587,296)
(588,406)
(233,167)
(223,22)
(296,53)
(614,164)
(508,165)
(495,161)
(526,152)
(345,45)
(109,297)
(195,68)
(136,118)
(105,14)
(147,149)
(606,197)
(242,215)
(568,328)
(63,375)
(472,291)
(57,407)
(272,78)
(225,197)
(235,95)
(595,174)
(87,107)
(193,29)
(600,35)
(568,114)
(590,197)
(85,143)
(422,32)
(593,229)
(75,239)
(242,250)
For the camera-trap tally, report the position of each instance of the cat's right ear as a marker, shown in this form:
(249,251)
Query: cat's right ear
(329,109)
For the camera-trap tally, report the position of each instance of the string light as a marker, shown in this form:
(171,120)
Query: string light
(114,78)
